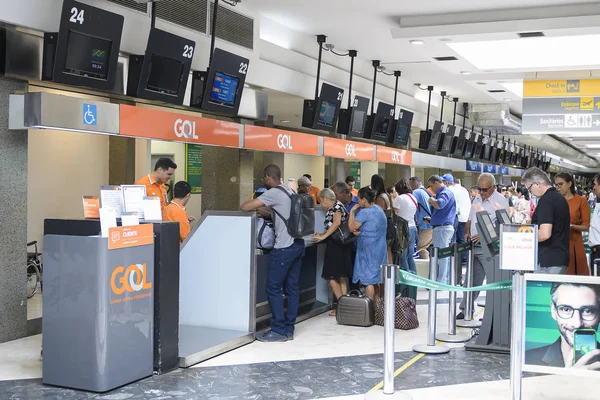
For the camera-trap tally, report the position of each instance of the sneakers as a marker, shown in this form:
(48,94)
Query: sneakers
(460,315)
(274,337)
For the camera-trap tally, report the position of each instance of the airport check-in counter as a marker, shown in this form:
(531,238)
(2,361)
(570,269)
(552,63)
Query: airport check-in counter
(222,285)
(79,306)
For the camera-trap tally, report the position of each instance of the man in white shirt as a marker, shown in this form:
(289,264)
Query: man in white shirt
(490,200)
(594,238)
(463,208)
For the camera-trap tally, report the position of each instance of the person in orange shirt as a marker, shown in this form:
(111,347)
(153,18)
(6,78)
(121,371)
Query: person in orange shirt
(155,181)
(313,191)
(350,182)
(175,211)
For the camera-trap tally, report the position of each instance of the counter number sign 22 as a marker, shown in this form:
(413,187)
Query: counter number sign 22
(77,16)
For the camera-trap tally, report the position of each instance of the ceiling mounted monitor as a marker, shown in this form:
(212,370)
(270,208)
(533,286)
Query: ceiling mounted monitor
(478,152)
(470,147)
(449,143)
(323,112)
(352,121)
(86,49)
(162,72)
(401,130)
(220,89)
(379,126)
(461,142)
(437,137)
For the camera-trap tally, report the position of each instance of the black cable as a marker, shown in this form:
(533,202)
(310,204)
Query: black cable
(213,29)
(385,73)
(340,55)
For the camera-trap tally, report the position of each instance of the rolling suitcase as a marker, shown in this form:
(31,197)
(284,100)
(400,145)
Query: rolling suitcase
(355,309)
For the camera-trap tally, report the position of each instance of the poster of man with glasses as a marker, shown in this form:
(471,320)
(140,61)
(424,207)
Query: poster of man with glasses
(562,318)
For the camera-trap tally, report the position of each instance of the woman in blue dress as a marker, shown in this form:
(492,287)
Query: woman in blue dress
(370,224)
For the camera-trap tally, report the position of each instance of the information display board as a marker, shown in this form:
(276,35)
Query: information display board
(193,167)
(518,247)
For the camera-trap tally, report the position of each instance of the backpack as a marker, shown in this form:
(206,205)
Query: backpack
(302,215)
(402,233)
(265,234)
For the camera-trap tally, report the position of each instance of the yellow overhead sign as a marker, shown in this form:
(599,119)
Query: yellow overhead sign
(562,88)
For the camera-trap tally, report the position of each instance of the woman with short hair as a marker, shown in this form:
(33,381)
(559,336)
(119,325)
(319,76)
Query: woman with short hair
(337,265)
(371,226)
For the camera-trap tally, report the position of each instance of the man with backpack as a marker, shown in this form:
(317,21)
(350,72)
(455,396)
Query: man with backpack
(286,257)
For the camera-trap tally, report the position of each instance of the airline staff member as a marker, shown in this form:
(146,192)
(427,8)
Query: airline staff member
(175,211)
(155,181)
(350,182)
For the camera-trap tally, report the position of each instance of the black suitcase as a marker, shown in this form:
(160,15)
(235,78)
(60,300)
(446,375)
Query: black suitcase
(355,309)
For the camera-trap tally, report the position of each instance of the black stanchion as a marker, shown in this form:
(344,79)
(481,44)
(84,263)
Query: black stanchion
(452,336)
(468,322)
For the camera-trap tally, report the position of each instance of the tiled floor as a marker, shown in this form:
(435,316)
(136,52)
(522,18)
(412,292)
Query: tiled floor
(326,360)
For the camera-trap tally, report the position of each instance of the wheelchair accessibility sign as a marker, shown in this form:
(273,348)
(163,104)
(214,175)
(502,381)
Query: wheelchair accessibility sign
(89,114)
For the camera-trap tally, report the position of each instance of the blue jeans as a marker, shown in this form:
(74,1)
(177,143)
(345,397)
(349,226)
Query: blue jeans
(407,262)
(442,235)
(284,270)
(460,238)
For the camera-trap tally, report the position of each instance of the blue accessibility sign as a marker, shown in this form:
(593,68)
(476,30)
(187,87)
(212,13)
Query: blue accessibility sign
(89,114)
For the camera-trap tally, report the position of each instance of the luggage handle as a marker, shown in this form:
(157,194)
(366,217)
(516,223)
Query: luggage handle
(354,291)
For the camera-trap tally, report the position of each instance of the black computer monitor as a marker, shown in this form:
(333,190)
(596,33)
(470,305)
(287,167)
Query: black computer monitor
(485,227)
(502,217)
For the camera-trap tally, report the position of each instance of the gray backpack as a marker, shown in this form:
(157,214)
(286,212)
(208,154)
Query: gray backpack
(302,215)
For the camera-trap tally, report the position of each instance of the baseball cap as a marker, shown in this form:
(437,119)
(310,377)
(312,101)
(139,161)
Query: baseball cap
(304,181)
(448,178)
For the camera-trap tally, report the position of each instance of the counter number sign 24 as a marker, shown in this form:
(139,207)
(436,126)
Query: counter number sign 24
(77,16)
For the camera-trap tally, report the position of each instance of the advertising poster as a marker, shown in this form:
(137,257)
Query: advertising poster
(355,172)
(562,314)
(193,167)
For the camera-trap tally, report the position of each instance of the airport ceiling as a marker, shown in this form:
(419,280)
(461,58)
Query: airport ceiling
(384,29)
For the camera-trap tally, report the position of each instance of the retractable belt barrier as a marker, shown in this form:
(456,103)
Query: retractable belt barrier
(430,347)
(389,303)
(453,252)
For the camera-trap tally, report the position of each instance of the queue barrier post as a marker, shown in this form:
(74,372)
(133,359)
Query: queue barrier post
(452,336)
(431,347)
(517,350)
(390,278)
(468,322)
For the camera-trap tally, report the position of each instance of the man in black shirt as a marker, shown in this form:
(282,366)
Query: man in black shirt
(553,219)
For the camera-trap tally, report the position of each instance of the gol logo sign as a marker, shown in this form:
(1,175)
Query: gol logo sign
(350,150)
(395,156)
(185,129)
(284,142)
(133,279)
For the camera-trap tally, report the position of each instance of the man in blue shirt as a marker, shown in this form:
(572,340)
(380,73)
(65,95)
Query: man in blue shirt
(442,221)
(422,217)
(343,194)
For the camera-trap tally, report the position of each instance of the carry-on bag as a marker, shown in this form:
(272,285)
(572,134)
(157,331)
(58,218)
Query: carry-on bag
(406,313)
(355,309)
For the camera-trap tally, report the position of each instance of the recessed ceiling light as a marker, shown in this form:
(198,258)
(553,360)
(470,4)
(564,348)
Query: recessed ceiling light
(481,83)
(591,146)
(465,72)
(537,52)
(507,99)
(445,40)
(284,121)
(417,41)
